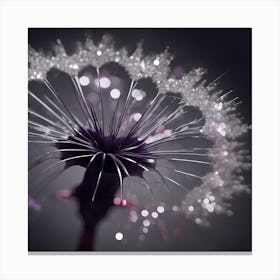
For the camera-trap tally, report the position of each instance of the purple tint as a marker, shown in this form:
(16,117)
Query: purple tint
(178,72)
(33,204)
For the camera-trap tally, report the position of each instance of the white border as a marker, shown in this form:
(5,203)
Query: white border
(17,16)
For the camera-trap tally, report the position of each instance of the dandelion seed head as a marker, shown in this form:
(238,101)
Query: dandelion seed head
(107,145)
(127,142)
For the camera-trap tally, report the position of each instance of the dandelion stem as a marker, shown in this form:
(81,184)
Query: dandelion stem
(99,177)
(120,177)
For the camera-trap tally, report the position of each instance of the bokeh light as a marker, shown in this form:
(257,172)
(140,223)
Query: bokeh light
(146,223)
(144,213)
(154,215)
(160,209)
(104,82)
(115,93)
(137,94)
(84,81)
(137,117)
(119,236)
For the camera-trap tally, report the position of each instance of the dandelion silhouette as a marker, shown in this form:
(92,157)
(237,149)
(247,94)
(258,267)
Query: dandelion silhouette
(187,122)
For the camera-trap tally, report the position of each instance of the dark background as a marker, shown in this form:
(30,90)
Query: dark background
(219,50)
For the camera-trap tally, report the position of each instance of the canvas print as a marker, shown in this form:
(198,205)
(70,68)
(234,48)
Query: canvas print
(139,139)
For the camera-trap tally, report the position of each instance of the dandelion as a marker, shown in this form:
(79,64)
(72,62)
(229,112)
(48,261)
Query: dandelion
(185,122)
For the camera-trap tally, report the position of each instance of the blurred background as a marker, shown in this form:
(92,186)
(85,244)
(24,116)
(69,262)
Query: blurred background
(54,225)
